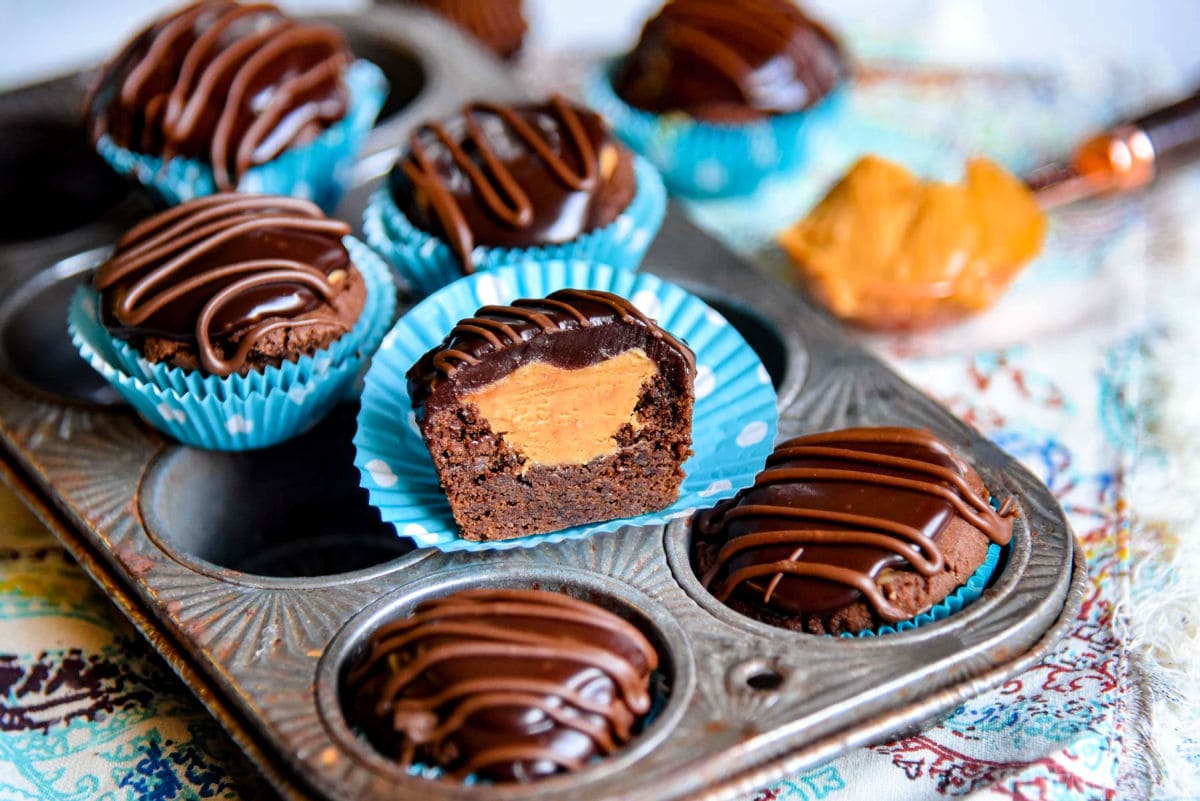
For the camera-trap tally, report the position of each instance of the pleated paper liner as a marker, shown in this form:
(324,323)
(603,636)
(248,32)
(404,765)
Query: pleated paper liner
(730,440)
(232,423)
(318,171)
(427,263)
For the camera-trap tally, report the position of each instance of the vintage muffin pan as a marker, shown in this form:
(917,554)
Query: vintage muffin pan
(259,575)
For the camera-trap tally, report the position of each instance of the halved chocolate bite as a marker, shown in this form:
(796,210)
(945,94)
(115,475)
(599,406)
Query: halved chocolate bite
(507,685)
(513,176)
(231,84)
(555,412)
(848,530)
(231,283)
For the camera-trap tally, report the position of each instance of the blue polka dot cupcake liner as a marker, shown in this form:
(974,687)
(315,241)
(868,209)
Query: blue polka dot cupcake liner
(237,412)
(708,160)
(734,419)
(258,420)
(318,171)
(358,343)
(427,263)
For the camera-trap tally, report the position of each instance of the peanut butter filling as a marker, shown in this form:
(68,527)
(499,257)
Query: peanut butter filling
(554,416)
(888,250)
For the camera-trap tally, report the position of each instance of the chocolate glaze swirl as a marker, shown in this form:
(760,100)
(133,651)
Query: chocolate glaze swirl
(831,511)
(512,176)
(223,271)
(570,328)
(509,685)
(730,59)
(232,84)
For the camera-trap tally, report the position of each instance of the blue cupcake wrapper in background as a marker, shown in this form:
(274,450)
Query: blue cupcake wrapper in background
(359,341)
(427,263)
(734,420)
(702,159)
(318,171)
(954,602)
(233,414)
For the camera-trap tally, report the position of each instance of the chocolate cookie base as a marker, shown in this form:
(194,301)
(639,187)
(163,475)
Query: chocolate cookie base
(495,496)
(963,546)
(278,346)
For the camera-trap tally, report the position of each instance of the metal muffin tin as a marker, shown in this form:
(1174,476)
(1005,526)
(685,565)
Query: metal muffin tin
(259,575)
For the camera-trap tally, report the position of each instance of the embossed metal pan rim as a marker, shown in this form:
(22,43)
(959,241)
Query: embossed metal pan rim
(259,753)
(227,575)
(912,715)
(255,747)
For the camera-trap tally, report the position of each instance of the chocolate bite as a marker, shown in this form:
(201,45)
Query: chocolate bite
(506,685)
(497,24)
(729,61)
(231,283)
(234,85)
(555,412)
(513,176)
(848,530)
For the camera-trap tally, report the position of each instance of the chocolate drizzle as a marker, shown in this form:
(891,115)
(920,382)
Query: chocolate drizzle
(233,84)
(718,59)
(512,176)
(509,685)
(224,271)
(570,328)
(834,510)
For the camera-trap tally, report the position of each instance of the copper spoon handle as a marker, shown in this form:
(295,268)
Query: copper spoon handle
(1126,156)
(1174,131)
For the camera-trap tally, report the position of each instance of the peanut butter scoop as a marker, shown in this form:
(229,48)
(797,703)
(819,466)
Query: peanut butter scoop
(885,249)
(554,416)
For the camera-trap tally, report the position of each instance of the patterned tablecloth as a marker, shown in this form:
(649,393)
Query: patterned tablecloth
(1085,371)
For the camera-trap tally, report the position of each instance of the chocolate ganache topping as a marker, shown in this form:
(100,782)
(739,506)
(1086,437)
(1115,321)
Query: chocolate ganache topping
(830,512)
(498,24)
(231,84)
(223,272)
(513,176)
(509,685)
(570,328)
(730,60)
